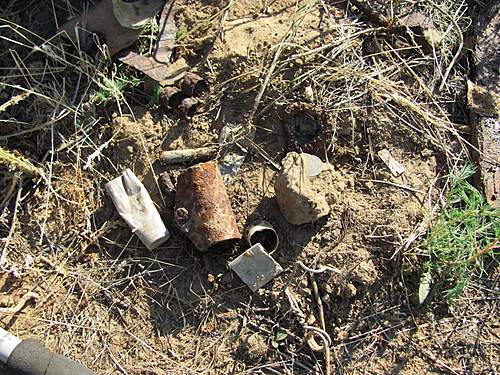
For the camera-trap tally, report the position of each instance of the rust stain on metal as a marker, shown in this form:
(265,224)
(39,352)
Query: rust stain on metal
(202,207)
(158,65)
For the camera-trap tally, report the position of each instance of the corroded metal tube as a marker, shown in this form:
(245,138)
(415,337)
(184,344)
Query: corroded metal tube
(171,97)
(202,207)
(194,85)
(263,233)
(188,107)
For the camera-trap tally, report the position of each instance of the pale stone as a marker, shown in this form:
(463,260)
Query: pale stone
(297,199)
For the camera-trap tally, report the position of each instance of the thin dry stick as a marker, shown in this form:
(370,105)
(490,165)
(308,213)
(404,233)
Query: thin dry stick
(20,305)
(460,47)
(484,251)
(3,257)
(17,162)
(14,100)
(284,41)
(404,187)
(319,302)
(9,191)
(321,332)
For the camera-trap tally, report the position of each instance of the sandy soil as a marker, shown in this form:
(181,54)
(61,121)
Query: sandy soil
(111,304)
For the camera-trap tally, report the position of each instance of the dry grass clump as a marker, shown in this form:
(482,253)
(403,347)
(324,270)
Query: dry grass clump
(370,74)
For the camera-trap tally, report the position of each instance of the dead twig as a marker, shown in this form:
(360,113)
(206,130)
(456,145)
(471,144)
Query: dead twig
(484,251)
(20,305)
(5,249)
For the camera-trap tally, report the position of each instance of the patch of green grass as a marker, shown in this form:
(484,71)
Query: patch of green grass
(463,236)
(148,38)
(113,89)
(180,33)
(156,89)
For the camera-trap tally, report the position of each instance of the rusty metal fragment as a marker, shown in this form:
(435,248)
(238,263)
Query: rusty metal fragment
(164,73)
(188,107)
(168,189)
(190,155)
(194,85)
(171,96)
(158,65)
(202,207)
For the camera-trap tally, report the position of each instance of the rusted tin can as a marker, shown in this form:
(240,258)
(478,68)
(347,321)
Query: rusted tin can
(202,207)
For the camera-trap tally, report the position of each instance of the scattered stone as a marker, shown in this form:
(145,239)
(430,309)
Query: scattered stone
(297,199)
(256,267)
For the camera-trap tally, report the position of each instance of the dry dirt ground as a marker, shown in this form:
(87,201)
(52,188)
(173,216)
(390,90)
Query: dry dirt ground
(103,299)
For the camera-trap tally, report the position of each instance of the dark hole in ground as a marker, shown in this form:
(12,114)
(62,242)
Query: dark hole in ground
(306,127)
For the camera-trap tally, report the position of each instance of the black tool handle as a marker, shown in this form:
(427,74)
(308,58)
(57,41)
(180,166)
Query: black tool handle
(31,358)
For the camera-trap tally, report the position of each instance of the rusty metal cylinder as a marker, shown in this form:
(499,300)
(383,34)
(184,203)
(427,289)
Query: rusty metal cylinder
(194,85)
(202,207)
(188,107)
(171,97)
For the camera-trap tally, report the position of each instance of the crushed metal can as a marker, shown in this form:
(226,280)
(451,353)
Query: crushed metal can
(202,208)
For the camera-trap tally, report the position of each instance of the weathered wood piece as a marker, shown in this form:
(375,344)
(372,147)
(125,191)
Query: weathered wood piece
(485,124)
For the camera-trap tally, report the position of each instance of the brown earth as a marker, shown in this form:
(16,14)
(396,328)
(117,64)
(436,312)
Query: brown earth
(108,302)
